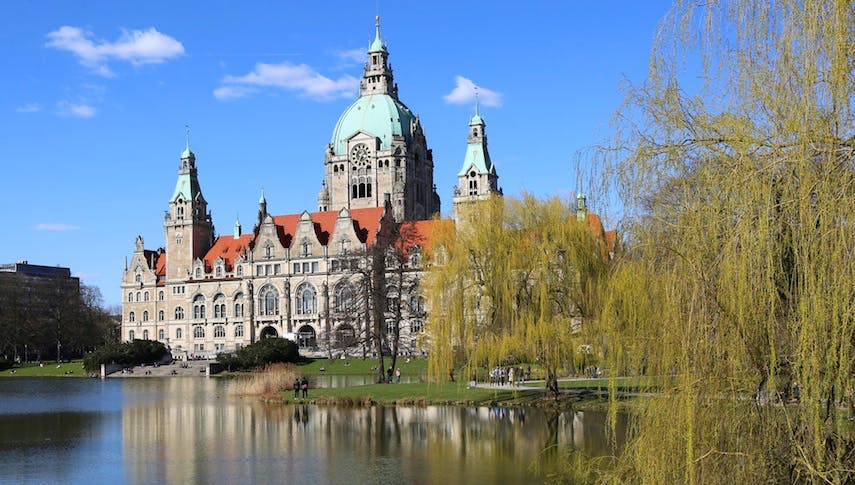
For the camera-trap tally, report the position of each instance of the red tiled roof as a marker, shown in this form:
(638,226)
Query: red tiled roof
(366,223)
(160,265)
(421,233)
(228,248)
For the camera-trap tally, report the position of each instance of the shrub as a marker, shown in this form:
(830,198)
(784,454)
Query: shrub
(5,363)
(263,352)
(125,353)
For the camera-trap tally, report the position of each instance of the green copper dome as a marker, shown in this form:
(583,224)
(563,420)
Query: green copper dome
(476,120)
(187,153)
(378,115)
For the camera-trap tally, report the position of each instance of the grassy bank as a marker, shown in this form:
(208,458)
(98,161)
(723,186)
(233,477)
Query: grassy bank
(414,393)
(73,368)
(361,366)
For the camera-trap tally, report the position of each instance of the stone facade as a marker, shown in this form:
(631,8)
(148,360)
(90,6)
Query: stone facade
(302,276)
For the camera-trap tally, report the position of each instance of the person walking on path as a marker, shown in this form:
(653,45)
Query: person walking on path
(398,374)
(304,384)
(297,387)
(511,377)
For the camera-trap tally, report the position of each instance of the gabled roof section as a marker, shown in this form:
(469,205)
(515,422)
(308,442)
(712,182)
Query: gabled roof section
(366,223)
(228,248)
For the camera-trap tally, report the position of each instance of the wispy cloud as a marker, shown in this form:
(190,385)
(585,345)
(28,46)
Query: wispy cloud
(134,46)
(299,78)
(48,226)
(464,92)
(29,108)
(354,55)
(75,110)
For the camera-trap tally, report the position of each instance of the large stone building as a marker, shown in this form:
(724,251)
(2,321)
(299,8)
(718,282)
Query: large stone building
(304,275)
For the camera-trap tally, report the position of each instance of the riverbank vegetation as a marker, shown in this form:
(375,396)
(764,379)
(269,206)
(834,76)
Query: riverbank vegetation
(259,354)
(128,354)
(734,162)
(267,381)
(737,276)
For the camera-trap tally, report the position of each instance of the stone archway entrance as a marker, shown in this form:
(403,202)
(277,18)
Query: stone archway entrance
(306,336)
(268,332)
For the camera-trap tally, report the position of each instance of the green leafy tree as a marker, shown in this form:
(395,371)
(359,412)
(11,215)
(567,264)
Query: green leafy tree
(515,281)
(737,284)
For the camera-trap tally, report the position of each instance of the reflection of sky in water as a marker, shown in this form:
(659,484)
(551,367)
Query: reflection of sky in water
(191,430)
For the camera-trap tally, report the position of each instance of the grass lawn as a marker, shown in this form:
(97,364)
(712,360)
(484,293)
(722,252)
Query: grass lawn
(422,393)
(360,366)
(49,370)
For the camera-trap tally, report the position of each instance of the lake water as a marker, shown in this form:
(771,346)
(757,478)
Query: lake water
(191,430)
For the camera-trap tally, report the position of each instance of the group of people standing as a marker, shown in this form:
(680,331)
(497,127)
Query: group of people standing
(301,385)
(499,376)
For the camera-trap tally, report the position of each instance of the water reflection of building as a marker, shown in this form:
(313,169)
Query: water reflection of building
(191,430)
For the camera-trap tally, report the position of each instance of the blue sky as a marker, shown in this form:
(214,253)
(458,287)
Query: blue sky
(97,94)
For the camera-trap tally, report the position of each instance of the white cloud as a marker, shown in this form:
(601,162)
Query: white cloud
(355,55)
(464,92)
(44,226)
(290,77)
(134,46)
(29,108)
(75,110)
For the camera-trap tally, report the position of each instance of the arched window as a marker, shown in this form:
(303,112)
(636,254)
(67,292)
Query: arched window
(219,271)
(417,304)
(138,296)
(145,296)
(240,270)
(239,305)
(220,306)
(145,334)
(179,313)
(131,335)
(145,316)
(306,299)
(219,331)
(132,317)
(268,301)
(198,272)
(198,332)
(138,278)
(268,250)
(343,297)
(160,295)
(179,334)
(179,212)
(161,315)
(199,306)
(130,297)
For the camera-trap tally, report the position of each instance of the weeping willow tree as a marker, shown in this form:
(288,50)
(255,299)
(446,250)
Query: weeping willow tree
(515,281)
(738,289)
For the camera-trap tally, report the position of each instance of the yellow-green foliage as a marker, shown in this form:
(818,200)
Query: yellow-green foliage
(507,283)
(739,279)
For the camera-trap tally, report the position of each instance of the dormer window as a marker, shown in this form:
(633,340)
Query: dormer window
(198,272)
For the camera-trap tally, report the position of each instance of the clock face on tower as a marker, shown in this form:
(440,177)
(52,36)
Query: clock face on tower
(359,153)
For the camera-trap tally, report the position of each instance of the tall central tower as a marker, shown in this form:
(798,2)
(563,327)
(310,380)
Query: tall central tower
(378,148)
(187,224)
